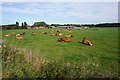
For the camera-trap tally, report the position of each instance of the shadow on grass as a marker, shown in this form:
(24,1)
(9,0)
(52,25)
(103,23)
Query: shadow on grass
(79,42)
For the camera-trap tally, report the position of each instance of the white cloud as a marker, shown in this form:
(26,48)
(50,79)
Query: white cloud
(85,11)
(27,9)
(18,10)
(99,11)
(36,8)
(60,1)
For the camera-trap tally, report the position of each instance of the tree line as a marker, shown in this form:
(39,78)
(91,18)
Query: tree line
(24,25)
(103,25)
(90,25)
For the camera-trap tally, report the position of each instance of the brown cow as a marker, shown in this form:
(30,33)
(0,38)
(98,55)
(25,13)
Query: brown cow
(43,33)
(18,37)
(87,42)
(23,33)
(65,39)
(52,34)
(69,36)
(33,33)
(59,34)
(59,31)
(7,35)
(51,31)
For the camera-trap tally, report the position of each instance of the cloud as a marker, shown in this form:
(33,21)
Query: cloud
(35,8)
(60,1)
(99,11)
(21,9)
(92,11)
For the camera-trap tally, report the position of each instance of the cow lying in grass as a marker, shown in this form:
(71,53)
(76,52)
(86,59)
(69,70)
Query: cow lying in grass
(43,33)
(56,34)
(69,36)
(52,34)
(23,33)
(59,34)
(51,31)
(33,33)
(7,35)
(18,37)
(87,42)
(59,31)
(65,39)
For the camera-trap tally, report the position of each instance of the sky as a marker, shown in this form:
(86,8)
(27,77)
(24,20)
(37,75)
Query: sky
(59,12)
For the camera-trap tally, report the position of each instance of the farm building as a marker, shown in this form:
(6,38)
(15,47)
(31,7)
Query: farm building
(65,26)
(40,25)
(84,27)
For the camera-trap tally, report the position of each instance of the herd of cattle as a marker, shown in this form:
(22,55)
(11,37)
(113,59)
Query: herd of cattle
(67,38)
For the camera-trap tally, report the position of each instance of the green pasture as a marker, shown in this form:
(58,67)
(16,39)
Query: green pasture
(102,56)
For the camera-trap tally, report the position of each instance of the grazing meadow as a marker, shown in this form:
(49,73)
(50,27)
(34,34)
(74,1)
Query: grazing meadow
(42,56)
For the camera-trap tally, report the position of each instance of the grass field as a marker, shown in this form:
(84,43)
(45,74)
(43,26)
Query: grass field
(99,60)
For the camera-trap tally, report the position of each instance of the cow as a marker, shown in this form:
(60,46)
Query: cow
(43,32)
(23,33)
(65,39)
(33,33)
(59,34)
(87,42)
(69,36)
(18,37)
(7,35)
(59,31)
(51,31)
(52,34)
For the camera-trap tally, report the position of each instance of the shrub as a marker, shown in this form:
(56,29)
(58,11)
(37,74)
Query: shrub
(18,65)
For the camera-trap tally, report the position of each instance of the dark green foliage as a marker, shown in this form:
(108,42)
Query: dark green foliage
(90,25)
(24,25)
(77,25)
(12,26)
(102,25)
(17,24)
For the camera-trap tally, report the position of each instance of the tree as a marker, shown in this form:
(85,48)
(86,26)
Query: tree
(25,25)
(22,25)
(17,24)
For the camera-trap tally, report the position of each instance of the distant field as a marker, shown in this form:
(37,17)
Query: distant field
(101,57)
